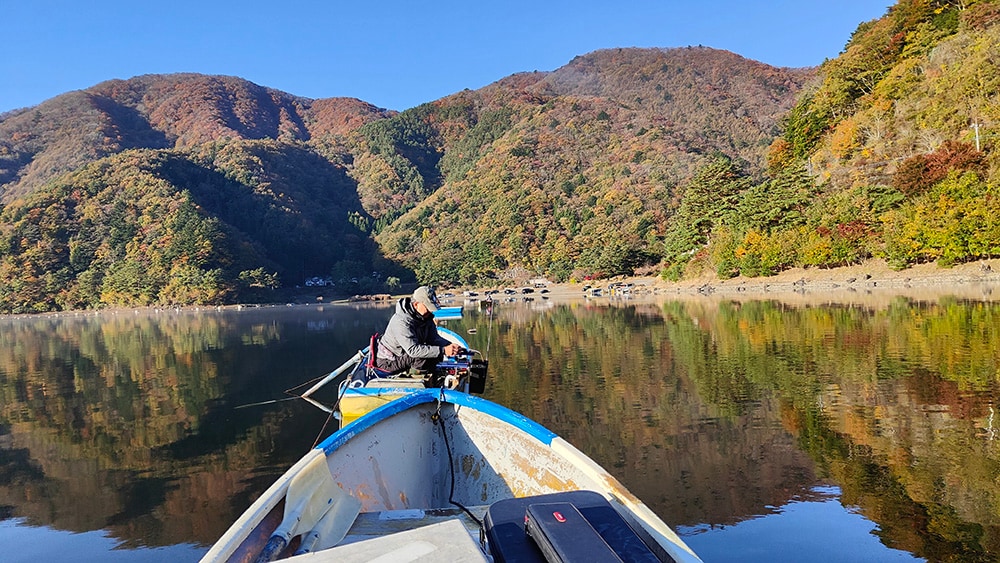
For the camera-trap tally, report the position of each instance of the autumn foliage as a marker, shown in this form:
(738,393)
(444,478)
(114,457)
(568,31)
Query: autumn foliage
(205,189)
(918,173)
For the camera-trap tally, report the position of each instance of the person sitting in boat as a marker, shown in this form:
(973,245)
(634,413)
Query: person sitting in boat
(411,339)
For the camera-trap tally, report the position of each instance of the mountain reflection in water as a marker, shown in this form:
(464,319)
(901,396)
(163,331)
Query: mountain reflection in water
(733,421)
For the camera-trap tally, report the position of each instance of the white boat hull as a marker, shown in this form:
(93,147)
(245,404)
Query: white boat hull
(433,450)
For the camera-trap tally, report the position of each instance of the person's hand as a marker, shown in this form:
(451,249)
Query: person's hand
(452,349)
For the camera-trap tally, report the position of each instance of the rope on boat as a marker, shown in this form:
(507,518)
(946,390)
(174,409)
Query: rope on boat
(437,418)
(343,389)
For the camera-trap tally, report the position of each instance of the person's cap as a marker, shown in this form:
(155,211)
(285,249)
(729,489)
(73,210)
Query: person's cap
(425,295)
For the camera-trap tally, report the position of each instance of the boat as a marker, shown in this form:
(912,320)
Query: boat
(448,313)
(449,475)
(363,391)
(437,473)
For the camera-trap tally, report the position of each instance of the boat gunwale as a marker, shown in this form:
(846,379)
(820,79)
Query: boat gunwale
(423,396)
(630,507)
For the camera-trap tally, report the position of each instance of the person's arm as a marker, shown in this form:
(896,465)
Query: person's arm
(449,348)
(440,340)
(410,340)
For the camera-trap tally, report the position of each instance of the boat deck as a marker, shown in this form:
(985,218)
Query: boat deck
(408,535)
(371,525)
(422,450)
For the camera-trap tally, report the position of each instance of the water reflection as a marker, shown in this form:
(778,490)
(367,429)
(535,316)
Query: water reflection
(815,528)
(126,423)
(720,415)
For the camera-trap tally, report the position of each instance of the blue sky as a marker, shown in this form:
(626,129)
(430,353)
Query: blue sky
(395,54)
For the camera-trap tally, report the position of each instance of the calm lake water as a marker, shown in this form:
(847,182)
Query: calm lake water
(759,430)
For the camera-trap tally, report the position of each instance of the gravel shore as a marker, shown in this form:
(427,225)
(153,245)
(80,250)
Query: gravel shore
(872,281)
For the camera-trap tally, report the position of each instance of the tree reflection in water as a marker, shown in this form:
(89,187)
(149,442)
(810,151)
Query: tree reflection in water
(714,413)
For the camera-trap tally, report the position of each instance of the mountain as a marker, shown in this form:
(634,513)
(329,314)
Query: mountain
(570,173)
(204,189)
(175,111)
(166,189)
(889,154)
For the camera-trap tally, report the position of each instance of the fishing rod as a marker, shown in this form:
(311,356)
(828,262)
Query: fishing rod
(261,403)
(321,381)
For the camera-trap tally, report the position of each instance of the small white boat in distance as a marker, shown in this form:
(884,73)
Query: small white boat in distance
(448,313)
(440,475)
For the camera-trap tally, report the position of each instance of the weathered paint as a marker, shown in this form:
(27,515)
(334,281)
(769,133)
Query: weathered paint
(258,511)
(396,458)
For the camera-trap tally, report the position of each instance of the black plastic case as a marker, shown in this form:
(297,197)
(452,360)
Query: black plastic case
(509,543)
(564,535)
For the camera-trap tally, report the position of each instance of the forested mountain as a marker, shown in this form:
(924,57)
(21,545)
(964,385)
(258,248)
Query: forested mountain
(172,190)
(175,111)
(187,188)
(206,189)
(890,154)
(574,173)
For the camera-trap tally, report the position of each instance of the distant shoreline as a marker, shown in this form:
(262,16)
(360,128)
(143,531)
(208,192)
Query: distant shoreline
(872,282)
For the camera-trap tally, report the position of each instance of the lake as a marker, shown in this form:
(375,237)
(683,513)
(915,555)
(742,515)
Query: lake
(759,430)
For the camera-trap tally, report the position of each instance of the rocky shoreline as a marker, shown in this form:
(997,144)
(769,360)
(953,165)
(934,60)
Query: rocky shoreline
(872,280)
(872,283)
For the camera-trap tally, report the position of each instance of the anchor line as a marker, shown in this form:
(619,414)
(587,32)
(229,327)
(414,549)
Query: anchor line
(451,470)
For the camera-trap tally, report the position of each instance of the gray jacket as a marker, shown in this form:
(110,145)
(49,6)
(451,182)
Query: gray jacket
(410,334)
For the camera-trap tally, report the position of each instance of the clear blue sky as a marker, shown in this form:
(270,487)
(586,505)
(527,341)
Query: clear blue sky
(395,54)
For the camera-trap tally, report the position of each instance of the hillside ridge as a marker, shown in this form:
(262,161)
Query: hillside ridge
(684,162)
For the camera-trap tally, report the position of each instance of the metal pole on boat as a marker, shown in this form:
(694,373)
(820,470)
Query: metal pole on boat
(334,374)
(317,404)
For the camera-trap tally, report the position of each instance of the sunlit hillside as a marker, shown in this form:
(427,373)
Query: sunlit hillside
(180,189)
(889,155)
(177,189)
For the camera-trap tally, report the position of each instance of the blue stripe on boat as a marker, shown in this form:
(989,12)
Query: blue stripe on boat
(421,396)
